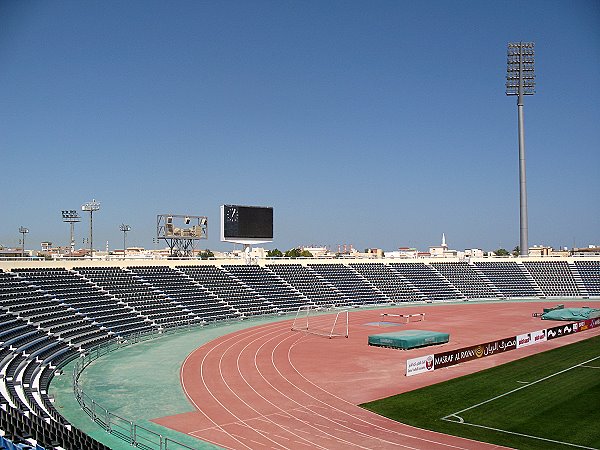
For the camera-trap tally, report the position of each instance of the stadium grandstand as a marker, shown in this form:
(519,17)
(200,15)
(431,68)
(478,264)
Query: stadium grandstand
(55,312)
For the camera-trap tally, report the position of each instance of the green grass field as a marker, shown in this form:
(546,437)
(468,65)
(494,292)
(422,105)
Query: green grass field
(549,400)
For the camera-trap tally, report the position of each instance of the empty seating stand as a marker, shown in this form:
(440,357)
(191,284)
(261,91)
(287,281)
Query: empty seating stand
(388,281)
(554,278)
(467,279)
(314,287)
(142,306)
(589,271)
(50,316)
(268,285)
(198,305)
(429,282)
(241,300)
(65,314)
(349,282)
(27,416)
(510,278)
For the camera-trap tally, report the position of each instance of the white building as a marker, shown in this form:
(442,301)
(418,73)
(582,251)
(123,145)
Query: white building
(442,251)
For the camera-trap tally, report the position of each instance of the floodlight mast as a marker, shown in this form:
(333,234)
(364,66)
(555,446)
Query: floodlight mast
(71,217)
(124,228)
(23,231)
(91,207)
(520,81)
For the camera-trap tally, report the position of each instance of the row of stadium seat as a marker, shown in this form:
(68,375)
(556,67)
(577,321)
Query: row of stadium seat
(49,316)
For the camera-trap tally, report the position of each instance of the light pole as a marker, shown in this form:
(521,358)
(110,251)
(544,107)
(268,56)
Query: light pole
(124,228)
(91,207)
(71,217)
(23,231)
(520,81)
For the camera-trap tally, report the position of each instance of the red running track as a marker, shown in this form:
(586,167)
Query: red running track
(269,387)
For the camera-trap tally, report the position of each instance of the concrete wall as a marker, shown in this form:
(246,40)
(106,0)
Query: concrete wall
(7,265)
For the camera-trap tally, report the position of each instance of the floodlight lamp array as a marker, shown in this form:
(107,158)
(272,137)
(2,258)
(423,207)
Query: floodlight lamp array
(70,215)
(125,228)
(520,69)
(91,206)
(23,230)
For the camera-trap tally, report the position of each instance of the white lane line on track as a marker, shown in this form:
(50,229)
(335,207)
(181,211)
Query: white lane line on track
(353,431)
(210,441)
(282,437)
(239,421)
(254,339)
(354,406)
(220,365)
(246,421)
(287,428)
(237,335)
(331,406)
(199,409)
(206,387)
(306,423)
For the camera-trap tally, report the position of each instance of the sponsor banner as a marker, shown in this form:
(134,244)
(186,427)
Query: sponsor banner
(573,327)
(453,357)
(419,365)
(534,337)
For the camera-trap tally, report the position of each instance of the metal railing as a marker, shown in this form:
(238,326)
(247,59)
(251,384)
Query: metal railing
(121,427)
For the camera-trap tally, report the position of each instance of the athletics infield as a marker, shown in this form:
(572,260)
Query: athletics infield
(270,387)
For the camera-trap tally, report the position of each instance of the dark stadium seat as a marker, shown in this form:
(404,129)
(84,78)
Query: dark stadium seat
(50,316)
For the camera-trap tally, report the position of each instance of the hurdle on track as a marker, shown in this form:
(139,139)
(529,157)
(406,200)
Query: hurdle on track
(406,318)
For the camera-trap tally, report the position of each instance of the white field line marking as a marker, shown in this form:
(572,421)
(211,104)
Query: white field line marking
(458,419)
(527,435)
(456,414)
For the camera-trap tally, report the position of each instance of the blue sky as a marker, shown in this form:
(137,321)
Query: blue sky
(377,124)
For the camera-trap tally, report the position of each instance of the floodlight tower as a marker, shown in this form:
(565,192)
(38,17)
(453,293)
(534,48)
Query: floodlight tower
(520,81)
(71,217)
(91,207)
(124,228)
(23,231)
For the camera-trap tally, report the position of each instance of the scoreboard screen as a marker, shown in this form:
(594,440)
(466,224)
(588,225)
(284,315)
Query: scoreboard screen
(246,222)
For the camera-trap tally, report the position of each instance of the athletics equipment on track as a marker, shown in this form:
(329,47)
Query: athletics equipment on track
(571,314)
(408,339)
(404,318)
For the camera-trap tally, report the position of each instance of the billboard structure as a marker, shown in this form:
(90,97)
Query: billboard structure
(246,224)
(181,232)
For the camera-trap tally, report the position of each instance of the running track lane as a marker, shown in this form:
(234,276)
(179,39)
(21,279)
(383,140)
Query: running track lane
(268,387)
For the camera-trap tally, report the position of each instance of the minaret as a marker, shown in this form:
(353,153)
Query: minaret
(444,246)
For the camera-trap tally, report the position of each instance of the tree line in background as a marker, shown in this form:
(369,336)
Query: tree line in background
(275,253)
(503,252)
(292,253)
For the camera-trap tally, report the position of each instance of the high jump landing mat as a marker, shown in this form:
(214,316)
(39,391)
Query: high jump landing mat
(408,339)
